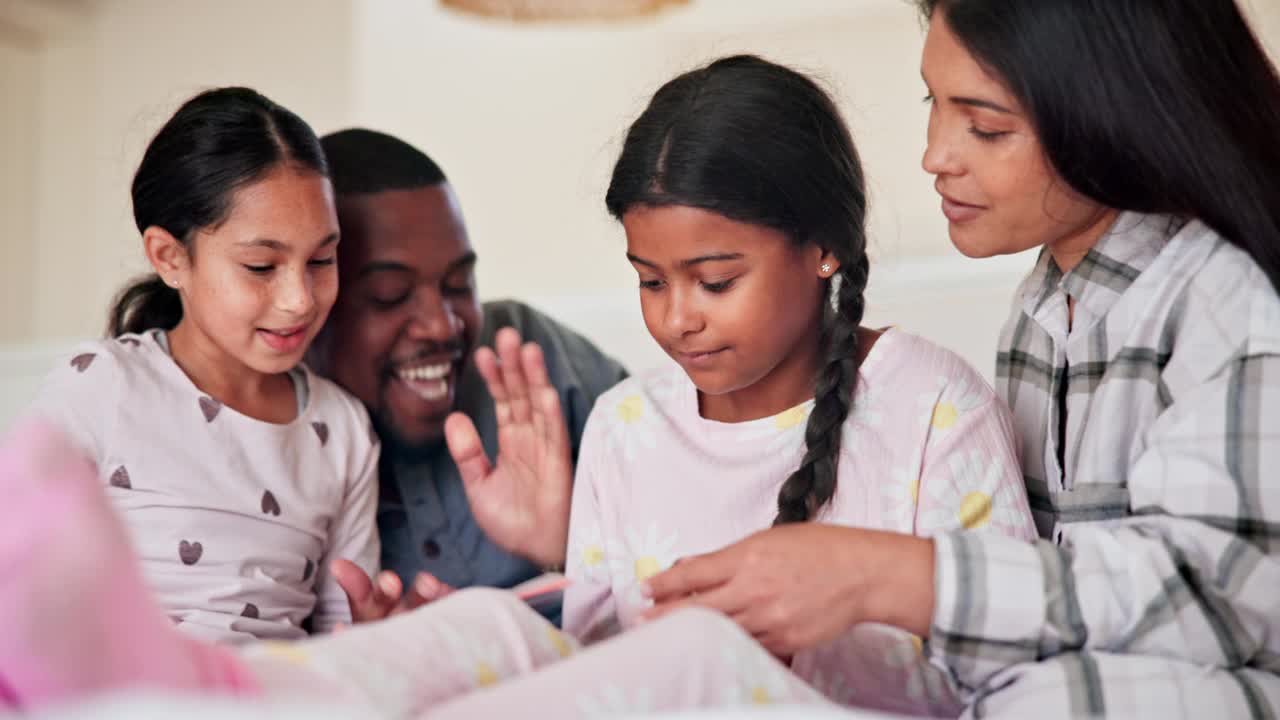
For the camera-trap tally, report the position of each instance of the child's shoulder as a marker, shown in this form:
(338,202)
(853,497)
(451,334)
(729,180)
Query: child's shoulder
(662,392)
(85,390)
(112,360)
(909,362)
(337,405)
(660,384)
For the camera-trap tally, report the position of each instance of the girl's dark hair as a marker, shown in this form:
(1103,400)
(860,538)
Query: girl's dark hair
(1158,106)
(762,144)
(216,143)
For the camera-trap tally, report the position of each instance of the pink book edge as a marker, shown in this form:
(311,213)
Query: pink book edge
(543,588)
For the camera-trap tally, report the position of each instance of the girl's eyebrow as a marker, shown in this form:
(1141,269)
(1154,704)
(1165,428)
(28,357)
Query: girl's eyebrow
(714,257)
(264,242)
(277,245)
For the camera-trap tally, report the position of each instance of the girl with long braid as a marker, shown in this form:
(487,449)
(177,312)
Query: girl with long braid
(742,198)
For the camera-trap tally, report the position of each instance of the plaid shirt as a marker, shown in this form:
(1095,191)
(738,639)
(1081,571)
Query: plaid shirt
(1162,534)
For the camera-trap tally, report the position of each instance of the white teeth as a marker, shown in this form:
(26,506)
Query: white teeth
(425,372)
(433,390)
(429,382)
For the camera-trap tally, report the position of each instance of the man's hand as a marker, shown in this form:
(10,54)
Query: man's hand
(521,501)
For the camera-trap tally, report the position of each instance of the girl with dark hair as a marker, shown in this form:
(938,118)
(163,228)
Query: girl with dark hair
(1137,143)
(742,199)
(239,473)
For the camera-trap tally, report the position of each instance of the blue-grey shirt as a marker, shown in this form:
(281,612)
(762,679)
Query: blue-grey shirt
(423,514)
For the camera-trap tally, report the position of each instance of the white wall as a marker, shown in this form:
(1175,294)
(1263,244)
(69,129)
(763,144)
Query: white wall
(525,120)
(1265,16)
(106,75)
(528,123)
(19,55)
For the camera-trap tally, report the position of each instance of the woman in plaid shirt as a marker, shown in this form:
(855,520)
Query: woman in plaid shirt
(1137,142)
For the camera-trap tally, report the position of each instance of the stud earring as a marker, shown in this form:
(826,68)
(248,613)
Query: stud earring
(826,268)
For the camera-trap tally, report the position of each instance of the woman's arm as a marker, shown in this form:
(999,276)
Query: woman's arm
(1192,574)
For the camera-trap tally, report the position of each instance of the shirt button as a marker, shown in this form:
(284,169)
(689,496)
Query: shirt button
(431,548)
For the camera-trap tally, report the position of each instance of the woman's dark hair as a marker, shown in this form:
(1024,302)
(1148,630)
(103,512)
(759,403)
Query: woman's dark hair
(761,144)
(216,143)
(1158,106)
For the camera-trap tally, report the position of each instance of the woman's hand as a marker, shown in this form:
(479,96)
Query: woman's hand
(797,586)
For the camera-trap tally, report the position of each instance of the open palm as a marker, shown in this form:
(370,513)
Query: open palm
(521,501)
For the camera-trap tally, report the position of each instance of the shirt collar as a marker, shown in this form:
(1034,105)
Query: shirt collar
(1123,252)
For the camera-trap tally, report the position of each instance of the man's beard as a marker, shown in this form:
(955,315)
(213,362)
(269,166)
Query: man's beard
(395,444)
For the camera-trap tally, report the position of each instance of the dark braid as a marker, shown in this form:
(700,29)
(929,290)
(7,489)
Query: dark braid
(813,484)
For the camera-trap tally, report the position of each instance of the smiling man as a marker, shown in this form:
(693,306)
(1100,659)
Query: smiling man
(400,338)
